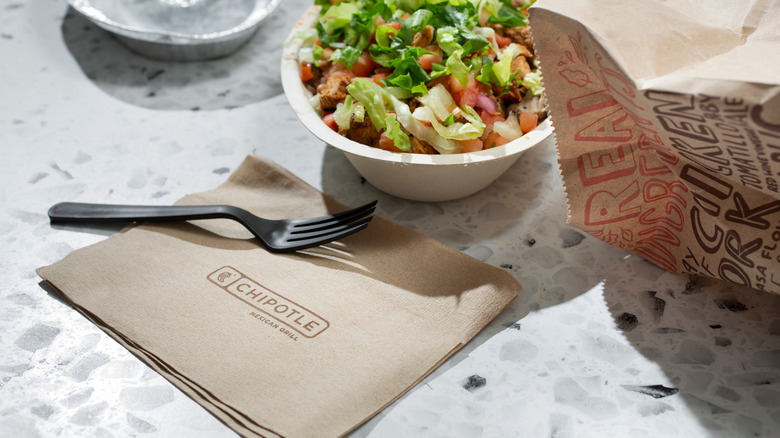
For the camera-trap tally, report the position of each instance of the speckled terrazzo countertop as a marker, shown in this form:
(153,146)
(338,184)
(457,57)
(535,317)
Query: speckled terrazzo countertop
(599,342)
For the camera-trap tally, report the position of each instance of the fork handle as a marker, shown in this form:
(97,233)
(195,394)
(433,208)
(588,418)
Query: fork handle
(70,212)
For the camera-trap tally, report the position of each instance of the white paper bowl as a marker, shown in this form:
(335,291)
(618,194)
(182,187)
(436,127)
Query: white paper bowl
(417,177)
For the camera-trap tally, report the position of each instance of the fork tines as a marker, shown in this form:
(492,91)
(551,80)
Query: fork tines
(310,232)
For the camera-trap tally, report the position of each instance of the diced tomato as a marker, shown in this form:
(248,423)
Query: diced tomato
(494,139)
(379,77)
(469,97)
(427,60)
(456,89)
(318,42)
(395,25)
(471,145)
(387,144)
(330,120)
(528,121)
(502,41)
(481,87)
(455,86)
(306,74)
(490,118)
(364,65)
(464,95)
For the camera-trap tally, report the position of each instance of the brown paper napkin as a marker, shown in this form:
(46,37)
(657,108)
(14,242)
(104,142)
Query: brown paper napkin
(306,344)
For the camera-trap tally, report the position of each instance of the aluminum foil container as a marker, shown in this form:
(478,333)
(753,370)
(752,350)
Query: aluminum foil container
(179,30)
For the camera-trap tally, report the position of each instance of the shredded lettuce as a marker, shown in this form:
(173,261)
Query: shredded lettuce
(454,131)
(439,101)
(503,68)
(374,99)
(413,24)
(383,36)
(347,55)
(457,68)
(347,110)
(427,133)
(306,54)
(471,115)
(490,35)
(392,49)
(458,43)
(408,73)
(437,108)
(348,27)
(338,16)
(311,54)
(308,51)
(394,132)
(378,101)
(399,93)
(447,41)
(533,81)
(451,39)
(503,12)
(510,128)
(411,5)
(314,101)
(307,35)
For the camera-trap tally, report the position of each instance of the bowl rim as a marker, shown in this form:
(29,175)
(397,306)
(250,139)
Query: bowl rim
(262,9)
(299,96)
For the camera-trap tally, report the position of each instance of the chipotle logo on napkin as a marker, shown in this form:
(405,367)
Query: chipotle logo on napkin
(669,138)
(348,327)
(271,304)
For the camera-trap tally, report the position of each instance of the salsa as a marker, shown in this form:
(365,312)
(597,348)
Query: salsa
(424,76)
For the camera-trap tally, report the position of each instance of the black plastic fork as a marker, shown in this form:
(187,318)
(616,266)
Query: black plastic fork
(278,235)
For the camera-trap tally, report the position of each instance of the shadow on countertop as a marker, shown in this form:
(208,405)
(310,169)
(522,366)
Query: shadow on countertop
(527,199)
(718,344)
(247,76)
(524,210)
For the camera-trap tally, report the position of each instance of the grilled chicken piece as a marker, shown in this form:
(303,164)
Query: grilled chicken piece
(362,132)
(520,35)
(421,147)
(333,91)
(521,66)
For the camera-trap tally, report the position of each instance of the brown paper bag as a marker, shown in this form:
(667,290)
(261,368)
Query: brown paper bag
(305,344)
(667,120)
